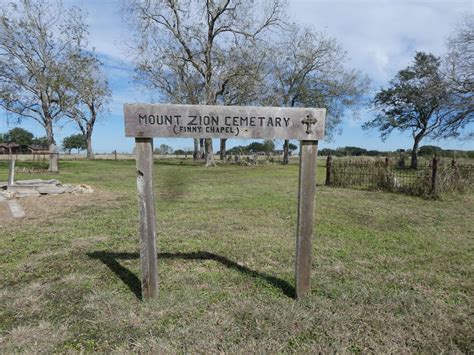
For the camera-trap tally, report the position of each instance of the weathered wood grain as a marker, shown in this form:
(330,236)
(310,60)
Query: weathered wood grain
(205,121)
(305,219)
(147,217)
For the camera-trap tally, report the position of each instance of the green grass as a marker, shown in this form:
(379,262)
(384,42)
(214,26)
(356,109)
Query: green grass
(391,273)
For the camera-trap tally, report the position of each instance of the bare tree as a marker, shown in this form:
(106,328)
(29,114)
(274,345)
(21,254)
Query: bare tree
(459,75)
(89,94)
(36,38)
(203,40)
(306,68)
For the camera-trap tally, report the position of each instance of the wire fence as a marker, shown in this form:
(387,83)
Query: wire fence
(430,178)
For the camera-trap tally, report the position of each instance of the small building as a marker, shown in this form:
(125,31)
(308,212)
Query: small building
(10,148)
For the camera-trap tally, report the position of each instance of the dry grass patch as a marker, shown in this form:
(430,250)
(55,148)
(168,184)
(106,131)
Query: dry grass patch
(42,337)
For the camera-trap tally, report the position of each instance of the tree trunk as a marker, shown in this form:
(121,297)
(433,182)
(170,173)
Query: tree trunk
(209,153)
(414,152)
(222,152)
(53,158)
(90,152)
(286,151)
(196,151)
(53,155)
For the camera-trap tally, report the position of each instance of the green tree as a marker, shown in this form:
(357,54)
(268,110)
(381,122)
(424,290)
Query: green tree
(19,136)
(429,150)
(268,146)
(327,151)
(374,153)
(75,141)
(41,142)
(353,151)
(164,149)
(292,147)
(417,100)
(256,147)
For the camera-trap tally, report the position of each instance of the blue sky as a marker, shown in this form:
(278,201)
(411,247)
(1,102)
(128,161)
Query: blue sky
(380,36)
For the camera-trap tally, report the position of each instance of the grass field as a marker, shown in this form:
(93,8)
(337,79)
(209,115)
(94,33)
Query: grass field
(391,273)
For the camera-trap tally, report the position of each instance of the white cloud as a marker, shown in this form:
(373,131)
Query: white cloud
(381,37)
(109,33)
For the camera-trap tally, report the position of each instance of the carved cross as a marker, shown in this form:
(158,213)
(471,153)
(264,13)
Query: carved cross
(308,121)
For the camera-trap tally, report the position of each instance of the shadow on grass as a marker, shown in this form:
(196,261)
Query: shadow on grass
(133,282)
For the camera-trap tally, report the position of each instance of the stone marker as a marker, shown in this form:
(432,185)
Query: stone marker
(145,121)
(23,191)
(37,181)
(37,187)
(5,212)
(50,190)
(16,209)
(10,209)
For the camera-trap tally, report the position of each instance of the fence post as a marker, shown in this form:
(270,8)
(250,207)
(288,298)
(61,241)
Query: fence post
(11,172)
(434,171)
(115,154)
(386,162)
(328,170)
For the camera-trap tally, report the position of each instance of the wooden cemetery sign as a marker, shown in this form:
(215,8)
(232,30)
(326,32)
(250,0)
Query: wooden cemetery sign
(145,121)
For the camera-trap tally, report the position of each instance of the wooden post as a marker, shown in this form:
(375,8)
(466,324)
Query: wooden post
(434,171)
(11,172)
(304,232)
(328,170)
(115,154)
(147,217)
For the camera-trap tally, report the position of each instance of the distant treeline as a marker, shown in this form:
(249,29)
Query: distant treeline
(427,150)
(266,147)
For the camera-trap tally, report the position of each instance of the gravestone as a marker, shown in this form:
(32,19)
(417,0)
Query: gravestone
(10,209)
(145,121)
